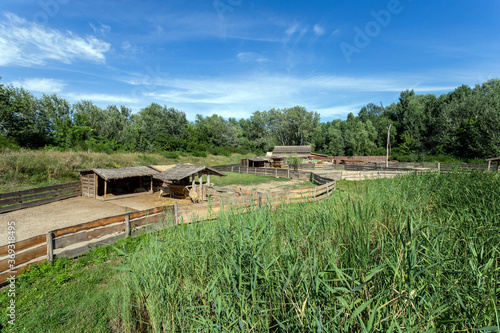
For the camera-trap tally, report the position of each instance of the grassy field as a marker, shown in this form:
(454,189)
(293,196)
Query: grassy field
(25,169)
(415,253)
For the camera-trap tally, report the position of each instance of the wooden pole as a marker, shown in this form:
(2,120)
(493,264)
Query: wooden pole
(151,184)
(200,179)
(439,167)
(95,185)
(105,188)
(327,190)
(50,247)
(127,225)
(315,193)
(176,213)
(489,165)
(208,180)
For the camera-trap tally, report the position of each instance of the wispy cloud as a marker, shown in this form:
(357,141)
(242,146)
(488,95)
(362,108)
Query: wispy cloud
(27,43)
(251,57)
(106,98)
(43,85)
(319,30)
(102,29)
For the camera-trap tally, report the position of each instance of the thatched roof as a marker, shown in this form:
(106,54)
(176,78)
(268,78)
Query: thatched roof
(161,168)
(181,171)
(125,172)
(285,151)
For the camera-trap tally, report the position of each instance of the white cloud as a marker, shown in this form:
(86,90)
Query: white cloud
(251,57)
(102,29)
(43,85)
(26,43)
(318,30)
(126,45)
(107,98)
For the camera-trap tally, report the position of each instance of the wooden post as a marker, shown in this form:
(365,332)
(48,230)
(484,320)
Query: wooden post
(200,180)
(193,183)
(176,213)
(247,170)
(232,168)
(327,190)
(288,196)
(127,225)
(315,193)
(489,165)
(50,247)
(288,173)
(276,173)
(208,179)
(95,185)
(341,173)
(239,169)
(105,187)
(255,170)
(439,167)
(152,184)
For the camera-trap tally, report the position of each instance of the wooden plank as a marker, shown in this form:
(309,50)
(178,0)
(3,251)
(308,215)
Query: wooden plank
(38,196)
(123,196)
(73,253)
(37,203)
(88,225)
(38,190)
(24,244)
(85,236)
(24,257)
(19,270)
(149,211)
(150,219)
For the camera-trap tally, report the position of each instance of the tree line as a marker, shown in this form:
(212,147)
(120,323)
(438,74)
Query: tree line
(464,123)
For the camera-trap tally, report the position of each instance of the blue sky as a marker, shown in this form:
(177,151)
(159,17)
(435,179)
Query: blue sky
(234,57)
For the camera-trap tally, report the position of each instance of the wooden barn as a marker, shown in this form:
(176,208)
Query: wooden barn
(181,179)
(256,162)
(119,182)
(286,151)
(280,154)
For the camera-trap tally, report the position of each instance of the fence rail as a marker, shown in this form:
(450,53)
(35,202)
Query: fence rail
(73,241)
(12,201)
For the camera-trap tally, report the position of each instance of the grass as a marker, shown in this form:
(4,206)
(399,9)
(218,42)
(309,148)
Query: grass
(25,169)
(412,254)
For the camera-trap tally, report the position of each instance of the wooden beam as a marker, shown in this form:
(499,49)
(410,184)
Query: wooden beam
(105,188)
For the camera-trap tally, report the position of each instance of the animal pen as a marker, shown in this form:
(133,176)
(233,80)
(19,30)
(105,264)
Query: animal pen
(117,183)
(181,180)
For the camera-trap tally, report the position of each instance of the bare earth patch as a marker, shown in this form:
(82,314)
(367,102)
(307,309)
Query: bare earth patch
(39,220)
(272,186)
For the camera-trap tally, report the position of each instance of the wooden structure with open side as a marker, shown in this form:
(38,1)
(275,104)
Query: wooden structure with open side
(181,179)
(494,159)
(117,183)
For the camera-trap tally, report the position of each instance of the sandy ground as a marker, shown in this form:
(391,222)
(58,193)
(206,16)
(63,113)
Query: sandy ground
(272,186)
(39,220)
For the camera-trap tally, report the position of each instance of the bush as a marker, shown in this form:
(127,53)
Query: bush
(199,153)
(170,154)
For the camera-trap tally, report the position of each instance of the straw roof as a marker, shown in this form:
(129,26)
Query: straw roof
(125,172)
(161,168)
(285,151)
(181,171)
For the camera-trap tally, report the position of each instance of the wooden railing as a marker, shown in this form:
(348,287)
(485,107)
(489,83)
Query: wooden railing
(12,201)
(73,241)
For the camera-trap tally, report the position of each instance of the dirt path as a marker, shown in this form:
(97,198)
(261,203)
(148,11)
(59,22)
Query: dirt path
(39,220)
(272,186)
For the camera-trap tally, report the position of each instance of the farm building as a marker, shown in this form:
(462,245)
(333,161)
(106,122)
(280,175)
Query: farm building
(111,183)
(280,153)
(320,157)
(181,179)
(256,162)
(494,159)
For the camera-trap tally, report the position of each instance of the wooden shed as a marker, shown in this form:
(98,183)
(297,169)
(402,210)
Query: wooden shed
(256,162)
(181,179)
(119,182)
(285,151)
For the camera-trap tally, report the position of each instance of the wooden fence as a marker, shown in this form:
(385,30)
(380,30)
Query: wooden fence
(12,201)
(73,241)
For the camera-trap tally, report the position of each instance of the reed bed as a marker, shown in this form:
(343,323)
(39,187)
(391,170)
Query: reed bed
(416,253)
